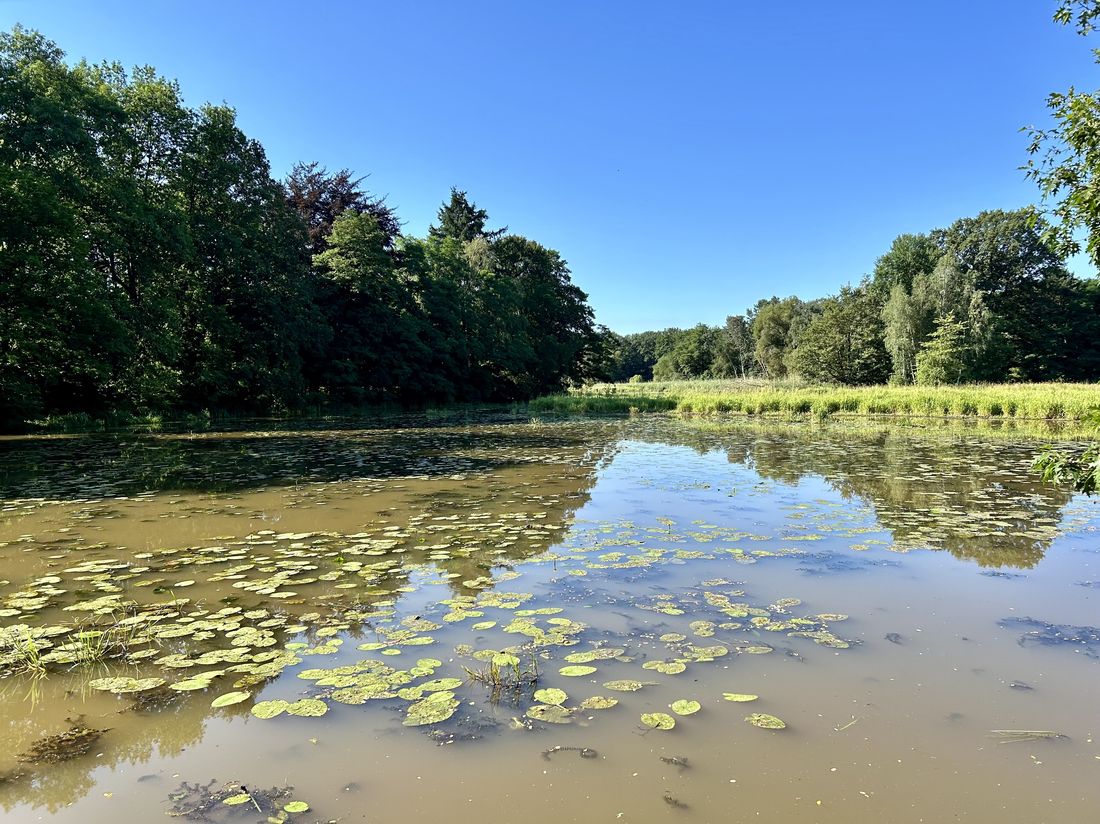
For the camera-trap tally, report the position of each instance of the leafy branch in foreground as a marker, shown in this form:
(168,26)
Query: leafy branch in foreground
(1078,471)
(1082,13)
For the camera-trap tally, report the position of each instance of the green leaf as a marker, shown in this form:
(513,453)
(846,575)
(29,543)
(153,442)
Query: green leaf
(765,721)
(269,709)
(575,670)
(230,698)
(551,695)
(685,707)
(658,720)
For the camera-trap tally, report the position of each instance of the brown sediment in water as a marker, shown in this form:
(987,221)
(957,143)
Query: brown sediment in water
(306,608)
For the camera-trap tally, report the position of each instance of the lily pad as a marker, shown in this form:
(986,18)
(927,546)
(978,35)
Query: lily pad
(624,685)
(658,720)
(441,684)
(665,667)
(230,698)
(550,713)
(575,670)
(121,686)
(551,695)
(296,807)
(739,696)
(599,702)
(239,798)
(269,709)
(307,708)
(439,706)
(765,721)
(685,707)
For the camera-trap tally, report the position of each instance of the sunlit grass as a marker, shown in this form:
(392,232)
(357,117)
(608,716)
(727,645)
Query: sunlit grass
(1023,401)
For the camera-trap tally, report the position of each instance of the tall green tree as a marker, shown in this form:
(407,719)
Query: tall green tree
(734,355)
(62,333)
(320,197)
(909,257)
(692,357)
(844,343)
(460,219)
(941,359)
(777,326)
(559,324)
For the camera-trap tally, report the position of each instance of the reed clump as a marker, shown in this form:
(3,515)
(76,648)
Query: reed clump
(1068,402)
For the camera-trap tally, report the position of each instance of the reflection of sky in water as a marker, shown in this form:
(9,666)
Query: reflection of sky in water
(697,504)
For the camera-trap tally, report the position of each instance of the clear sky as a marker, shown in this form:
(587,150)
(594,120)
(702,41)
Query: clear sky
(685,158)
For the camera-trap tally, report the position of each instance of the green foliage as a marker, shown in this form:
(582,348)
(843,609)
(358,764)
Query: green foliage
(1082,13)
(462,220)
(777,328)
(909,256)
(844,344)
(1078,471)
(152,265)
(1069,402)
(941,357)
(638,354)
(734,355)
(691,357)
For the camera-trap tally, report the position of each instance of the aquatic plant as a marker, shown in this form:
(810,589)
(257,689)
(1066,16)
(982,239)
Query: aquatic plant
(1066,402)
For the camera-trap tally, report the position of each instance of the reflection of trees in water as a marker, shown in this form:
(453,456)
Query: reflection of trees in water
(975,497)
(521,470)
(132,738)
(93,466)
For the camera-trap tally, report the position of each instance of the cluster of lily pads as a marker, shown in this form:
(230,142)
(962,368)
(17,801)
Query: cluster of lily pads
(162,639)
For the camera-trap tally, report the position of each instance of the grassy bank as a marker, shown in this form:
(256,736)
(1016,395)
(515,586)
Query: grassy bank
(1068,402)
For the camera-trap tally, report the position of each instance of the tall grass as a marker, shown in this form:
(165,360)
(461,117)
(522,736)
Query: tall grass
(1023,401)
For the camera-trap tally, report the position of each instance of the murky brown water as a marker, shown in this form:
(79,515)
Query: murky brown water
(892,595)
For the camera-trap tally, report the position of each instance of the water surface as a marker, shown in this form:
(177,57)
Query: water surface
(892,595)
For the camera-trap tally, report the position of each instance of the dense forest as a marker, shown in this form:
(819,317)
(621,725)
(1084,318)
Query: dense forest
(988,298)
(150,263)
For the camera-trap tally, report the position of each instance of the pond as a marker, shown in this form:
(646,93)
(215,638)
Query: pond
(481,618)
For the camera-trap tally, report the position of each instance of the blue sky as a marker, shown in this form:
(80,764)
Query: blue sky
(685,158)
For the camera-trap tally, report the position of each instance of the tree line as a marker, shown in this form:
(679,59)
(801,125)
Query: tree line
(150,263)
(989,298)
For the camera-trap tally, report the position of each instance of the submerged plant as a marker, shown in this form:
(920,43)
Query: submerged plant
(78,740)
(1015,736)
